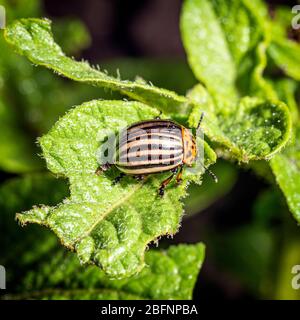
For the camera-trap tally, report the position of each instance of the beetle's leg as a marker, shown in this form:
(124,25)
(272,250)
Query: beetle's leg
(179,175)
(104,167)
(161,189)
(118,178)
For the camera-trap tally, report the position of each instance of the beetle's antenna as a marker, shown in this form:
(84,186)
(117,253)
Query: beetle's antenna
(202,164)
(200,121)
(199,124)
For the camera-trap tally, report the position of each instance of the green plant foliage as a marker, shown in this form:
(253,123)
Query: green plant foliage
(250,129)
(230,44)
(286,164)
(284,52)
(286,90)
(170,274)
(257,84)
(27,103)
(286,167)
(217,36)
(116,222)
(245,128)
(255,129)
(43,271)
(33,38)
(282,17)
(172,74)
(286,55)
(204,39)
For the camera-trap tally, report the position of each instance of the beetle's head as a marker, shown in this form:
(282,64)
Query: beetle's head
(189,147)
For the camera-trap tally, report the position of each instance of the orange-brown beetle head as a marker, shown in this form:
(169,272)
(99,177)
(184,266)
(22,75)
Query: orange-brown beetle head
(189,147)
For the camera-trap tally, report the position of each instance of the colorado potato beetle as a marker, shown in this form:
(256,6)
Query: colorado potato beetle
(155,146)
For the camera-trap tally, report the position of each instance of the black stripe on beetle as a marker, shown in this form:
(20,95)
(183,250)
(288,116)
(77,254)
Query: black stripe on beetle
(155,146)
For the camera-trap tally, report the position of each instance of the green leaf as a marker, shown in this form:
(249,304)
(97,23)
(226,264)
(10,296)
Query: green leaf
(237,19)
(207,49)
(218,35)
(283,52)
(256,84)
(285,165)
(252,128)
(170,274)
(33,38)
(281,21)
(286,54)
(286,168)
(286,90)
(172,73)
(27,102)
(255,129)
(42,270)
(109,225)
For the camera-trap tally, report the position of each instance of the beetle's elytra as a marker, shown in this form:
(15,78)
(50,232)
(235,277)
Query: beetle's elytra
(155,146)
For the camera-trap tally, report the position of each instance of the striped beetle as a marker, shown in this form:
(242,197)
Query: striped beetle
(155,146)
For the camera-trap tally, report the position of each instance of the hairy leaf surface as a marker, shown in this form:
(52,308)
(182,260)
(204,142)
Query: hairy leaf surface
(169,274)
(107,224)
(44,271)
(33,38)
(255,129)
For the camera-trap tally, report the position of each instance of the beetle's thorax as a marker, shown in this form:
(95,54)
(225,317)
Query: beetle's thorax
(189,147)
